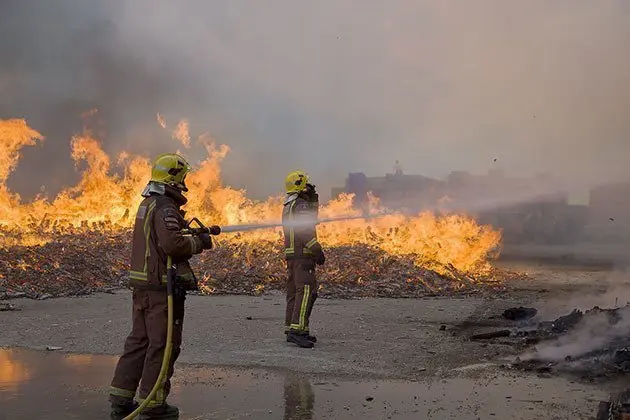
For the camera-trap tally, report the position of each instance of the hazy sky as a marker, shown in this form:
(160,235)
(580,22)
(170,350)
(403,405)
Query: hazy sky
(330,86)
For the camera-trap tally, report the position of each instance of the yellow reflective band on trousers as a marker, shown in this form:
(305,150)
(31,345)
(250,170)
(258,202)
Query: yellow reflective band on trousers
(306,297)
(119,392)
(157,401)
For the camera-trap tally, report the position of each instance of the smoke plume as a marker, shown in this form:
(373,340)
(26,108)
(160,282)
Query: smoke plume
(329,87)
(595,331)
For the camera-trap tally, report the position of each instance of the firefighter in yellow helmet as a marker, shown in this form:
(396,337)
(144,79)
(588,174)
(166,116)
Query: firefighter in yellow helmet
(156,235)
(302,252)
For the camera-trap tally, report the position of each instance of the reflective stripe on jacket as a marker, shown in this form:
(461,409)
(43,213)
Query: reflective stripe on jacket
(156,235)
(299,219)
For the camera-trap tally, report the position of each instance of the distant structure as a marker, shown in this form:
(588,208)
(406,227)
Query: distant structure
(398,171)
(609,213)
(530,209)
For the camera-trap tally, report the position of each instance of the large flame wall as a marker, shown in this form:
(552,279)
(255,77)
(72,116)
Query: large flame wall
(104,200)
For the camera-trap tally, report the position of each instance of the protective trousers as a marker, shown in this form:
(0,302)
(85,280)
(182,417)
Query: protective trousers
(301,294)
(144,348)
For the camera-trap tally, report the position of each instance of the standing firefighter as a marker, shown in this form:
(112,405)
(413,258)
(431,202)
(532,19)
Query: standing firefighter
(302,252)
(157,238)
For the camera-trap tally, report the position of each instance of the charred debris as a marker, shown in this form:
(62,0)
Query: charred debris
(591,345)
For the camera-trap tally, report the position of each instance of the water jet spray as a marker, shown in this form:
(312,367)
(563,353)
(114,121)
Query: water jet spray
(216,230)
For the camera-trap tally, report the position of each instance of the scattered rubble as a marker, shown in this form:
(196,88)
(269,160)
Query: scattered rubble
(494,334)
(592,345)
(83,263)
(6,307)
(617,408)
(53,348)
(520,313)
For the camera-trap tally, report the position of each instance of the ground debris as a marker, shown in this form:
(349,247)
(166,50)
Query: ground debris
(592,345)
(520,313)
(562,324)
(489,335)
(53,348)
(5,307)
(70,265)
(617,408)
(82,263)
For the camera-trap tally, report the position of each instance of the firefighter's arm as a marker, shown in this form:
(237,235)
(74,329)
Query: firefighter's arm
(168,226)
(306,218)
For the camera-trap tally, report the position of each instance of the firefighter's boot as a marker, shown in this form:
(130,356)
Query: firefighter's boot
(309,337)
(121,409)
(300,339)
(162,412)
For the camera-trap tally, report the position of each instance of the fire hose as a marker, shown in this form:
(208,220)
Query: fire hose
(170,280)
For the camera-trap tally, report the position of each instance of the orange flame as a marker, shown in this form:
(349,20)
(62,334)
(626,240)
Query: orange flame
(103,200)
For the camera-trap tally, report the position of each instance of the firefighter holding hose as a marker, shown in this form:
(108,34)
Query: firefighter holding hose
(302,253)
(160,253)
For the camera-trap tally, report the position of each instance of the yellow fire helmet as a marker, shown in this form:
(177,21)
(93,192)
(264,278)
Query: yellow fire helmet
(296,182)
(171,169)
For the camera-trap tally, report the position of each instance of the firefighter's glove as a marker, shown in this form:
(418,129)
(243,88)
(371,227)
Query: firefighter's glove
(206,241)
(311,193)
(320,258)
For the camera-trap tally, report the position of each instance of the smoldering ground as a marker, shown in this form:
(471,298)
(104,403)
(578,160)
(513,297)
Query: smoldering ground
(330,87)
(597,330)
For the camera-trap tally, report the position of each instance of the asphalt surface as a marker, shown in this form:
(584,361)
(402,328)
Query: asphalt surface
(382,338)
(375,358)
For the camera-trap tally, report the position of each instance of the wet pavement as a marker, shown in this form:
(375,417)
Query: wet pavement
(51,385)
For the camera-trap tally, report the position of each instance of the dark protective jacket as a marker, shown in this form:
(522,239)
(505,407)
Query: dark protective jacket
(157,235)
(299,221)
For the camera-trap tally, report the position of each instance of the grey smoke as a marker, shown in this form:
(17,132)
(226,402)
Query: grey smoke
(329,87)
(595,331)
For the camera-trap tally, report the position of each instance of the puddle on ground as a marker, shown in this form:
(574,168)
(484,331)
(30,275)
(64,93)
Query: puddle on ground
(49,385)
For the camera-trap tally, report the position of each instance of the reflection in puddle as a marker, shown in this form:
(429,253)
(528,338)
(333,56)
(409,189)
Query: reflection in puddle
(49,385)
(79,360)
(12,372)
(299,399)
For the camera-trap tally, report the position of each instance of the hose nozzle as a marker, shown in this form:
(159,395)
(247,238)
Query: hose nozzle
(212,230)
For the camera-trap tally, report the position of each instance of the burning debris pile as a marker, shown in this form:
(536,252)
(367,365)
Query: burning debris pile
(350,272)
(89,262)
(71,265)
(77,241)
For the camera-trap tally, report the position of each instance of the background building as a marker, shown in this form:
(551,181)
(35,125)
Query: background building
(527,209)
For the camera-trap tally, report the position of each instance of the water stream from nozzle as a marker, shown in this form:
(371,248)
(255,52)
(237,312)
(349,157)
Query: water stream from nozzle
(259,226)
